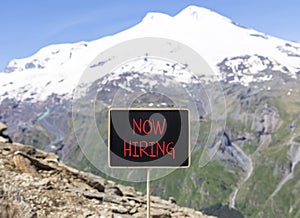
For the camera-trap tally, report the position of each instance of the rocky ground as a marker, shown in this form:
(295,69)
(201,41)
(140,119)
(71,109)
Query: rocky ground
(35,183)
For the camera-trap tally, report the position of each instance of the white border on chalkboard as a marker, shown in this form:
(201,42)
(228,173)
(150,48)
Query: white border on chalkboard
(145,167)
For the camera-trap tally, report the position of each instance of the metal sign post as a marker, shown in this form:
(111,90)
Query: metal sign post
(148,193)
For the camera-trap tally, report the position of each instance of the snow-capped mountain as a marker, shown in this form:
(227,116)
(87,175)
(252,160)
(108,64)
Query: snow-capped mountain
(259,76)
(236,53)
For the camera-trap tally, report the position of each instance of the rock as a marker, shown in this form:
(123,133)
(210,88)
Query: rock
(11,210)
(133,210)
(3,140)
(113,190)
(127,190)
(172,200)
(136,199)
(12,203)
(139,193)
(160,213)
(49,188)
(52,157)
(140,215)
(98,196)
(87,213)
(44,182)
(34,161)
(3,127)
(132,203)
(188,210)
(122,216)
(23,164)
(92,180)
(119,209)
(178,215)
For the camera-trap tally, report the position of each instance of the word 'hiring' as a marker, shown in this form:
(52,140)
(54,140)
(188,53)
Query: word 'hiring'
(151,149)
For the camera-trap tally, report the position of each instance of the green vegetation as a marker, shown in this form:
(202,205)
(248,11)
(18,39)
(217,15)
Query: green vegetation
(249,148)
(256,190)
(210,187)
(297,139)
(197,187)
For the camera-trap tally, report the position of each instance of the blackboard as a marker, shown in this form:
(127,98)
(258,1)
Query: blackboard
(148,138)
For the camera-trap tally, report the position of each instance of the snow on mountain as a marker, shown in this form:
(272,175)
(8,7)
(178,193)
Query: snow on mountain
(236,53)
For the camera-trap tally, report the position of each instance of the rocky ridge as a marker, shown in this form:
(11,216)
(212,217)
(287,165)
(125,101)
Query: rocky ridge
(35,183)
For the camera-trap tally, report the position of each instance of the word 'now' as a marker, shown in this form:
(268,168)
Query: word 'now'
(148,126)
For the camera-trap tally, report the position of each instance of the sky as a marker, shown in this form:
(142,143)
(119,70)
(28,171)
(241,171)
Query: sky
(28,25)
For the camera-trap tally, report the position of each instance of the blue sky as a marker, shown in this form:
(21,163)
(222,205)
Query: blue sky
(27,26)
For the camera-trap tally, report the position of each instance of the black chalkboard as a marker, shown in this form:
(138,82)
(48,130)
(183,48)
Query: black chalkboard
(148,138)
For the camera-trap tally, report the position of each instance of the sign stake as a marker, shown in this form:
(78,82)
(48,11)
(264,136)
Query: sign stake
(148,193)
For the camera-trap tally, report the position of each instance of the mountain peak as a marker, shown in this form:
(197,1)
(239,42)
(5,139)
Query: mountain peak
(155,16)
(223,43)
(195,9)
(51,55)
(200,13)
